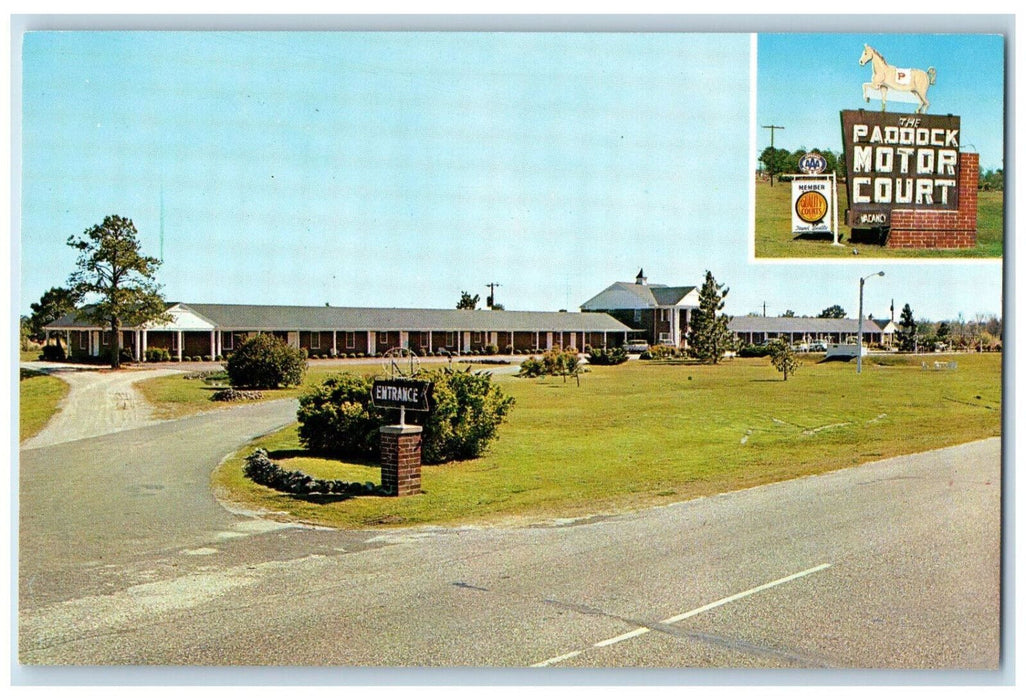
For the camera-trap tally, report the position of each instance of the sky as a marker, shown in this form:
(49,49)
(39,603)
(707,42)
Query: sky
(398,169)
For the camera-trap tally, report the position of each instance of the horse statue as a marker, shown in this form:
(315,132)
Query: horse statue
(887,77)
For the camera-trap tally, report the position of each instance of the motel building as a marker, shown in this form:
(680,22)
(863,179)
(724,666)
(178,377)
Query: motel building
(656,313)
(213,330)
(754,330)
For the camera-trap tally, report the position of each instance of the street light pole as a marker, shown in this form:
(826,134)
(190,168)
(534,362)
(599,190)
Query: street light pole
(858,355)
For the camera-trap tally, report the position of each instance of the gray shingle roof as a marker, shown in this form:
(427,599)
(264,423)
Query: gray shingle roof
(627,295)
(799,324)
(313,318)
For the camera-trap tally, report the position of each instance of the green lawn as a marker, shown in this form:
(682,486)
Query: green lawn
(642,434)
(773,237)
(38,396)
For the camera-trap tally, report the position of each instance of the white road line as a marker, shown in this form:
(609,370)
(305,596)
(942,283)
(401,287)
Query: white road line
(683,616)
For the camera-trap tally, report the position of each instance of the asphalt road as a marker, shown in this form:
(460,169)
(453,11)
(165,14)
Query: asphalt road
(126,558)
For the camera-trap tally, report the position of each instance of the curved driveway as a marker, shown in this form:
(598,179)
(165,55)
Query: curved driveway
(126,558)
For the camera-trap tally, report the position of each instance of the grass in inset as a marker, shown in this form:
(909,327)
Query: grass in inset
(643,434)
(773,237)
(38,397)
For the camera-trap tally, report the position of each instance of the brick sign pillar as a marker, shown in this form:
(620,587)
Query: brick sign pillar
(926,228)
(400,459)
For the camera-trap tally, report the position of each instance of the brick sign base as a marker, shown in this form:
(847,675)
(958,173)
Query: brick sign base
(941,229)
(400,459)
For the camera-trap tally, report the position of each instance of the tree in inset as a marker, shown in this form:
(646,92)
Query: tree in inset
(468,302)
(906,335)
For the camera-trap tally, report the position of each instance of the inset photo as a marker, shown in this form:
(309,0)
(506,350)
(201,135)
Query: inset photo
(886,145)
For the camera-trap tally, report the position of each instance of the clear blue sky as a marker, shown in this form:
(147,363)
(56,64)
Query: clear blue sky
(397,169)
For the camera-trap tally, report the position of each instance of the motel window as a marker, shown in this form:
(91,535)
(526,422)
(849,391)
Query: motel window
(383,337)
(664,314)
(83,340)
(350,340)
(637,315)
(478,336)
(227,341)
(315,340)
(105,338)
(450,339)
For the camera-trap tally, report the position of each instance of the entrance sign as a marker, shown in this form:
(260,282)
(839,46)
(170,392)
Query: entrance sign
(899,161)
(408,394)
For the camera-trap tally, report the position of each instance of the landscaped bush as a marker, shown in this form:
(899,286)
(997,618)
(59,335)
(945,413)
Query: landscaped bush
(208,358)
(54,353)
(260,469)
(125,355)
(491,349)
(754,351)
(338,418)
(660,352)
(265,362)
(236,395)
(555,362)
(602,356)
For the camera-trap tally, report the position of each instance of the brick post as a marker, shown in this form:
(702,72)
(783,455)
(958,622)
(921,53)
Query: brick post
(400,459)
(925,228)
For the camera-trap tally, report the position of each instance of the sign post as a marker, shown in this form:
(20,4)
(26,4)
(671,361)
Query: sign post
(401,444)
(814,198)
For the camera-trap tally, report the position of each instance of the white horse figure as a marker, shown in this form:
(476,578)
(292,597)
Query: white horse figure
(887,77)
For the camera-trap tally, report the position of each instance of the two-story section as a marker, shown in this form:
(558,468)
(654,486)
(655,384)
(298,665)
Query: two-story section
(656,312)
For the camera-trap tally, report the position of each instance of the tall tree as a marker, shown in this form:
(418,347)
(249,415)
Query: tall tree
(468,302)
(55,302)
(906,334)
(708,336)
(834,311)
(118,280)
(775,160)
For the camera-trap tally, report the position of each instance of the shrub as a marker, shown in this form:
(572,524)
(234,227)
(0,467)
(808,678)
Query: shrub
(662,352)
(208,358)
(264,362)
(338,418)
(602,356)
(754,351)
(125,355)
(490,349)
(467,409)
(555,362)
(54,353)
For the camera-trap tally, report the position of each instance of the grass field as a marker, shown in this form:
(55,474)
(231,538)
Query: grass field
(38,396)
(773,237)
(644,434)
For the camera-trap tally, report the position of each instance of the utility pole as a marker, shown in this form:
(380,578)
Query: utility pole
(773,130)
(491,295)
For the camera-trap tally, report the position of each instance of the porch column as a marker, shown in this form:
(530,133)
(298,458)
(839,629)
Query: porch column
(213,345)
(466,341)
(142,348)
(431,343)
(404,339)
(135,346)
(334,343)
(372,345)
(180,335)
(605,339)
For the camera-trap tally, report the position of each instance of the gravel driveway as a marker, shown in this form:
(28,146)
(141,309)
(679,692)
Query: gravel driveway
(99,402)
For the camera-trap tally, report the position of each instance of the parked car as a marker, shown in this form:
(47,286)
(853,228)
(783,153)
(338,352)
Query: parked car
(817,346)
(636,346)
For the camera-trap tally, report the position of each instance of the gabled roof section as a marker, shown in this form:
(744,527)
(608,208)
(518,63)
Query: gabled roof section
(799,324)
(674,296)
(627,295)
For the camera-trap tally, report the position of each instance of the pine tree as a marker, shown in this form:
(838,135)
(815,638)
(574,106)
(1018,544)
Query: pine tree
(783,357)
(112,268)
(708,336)
(906,334)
